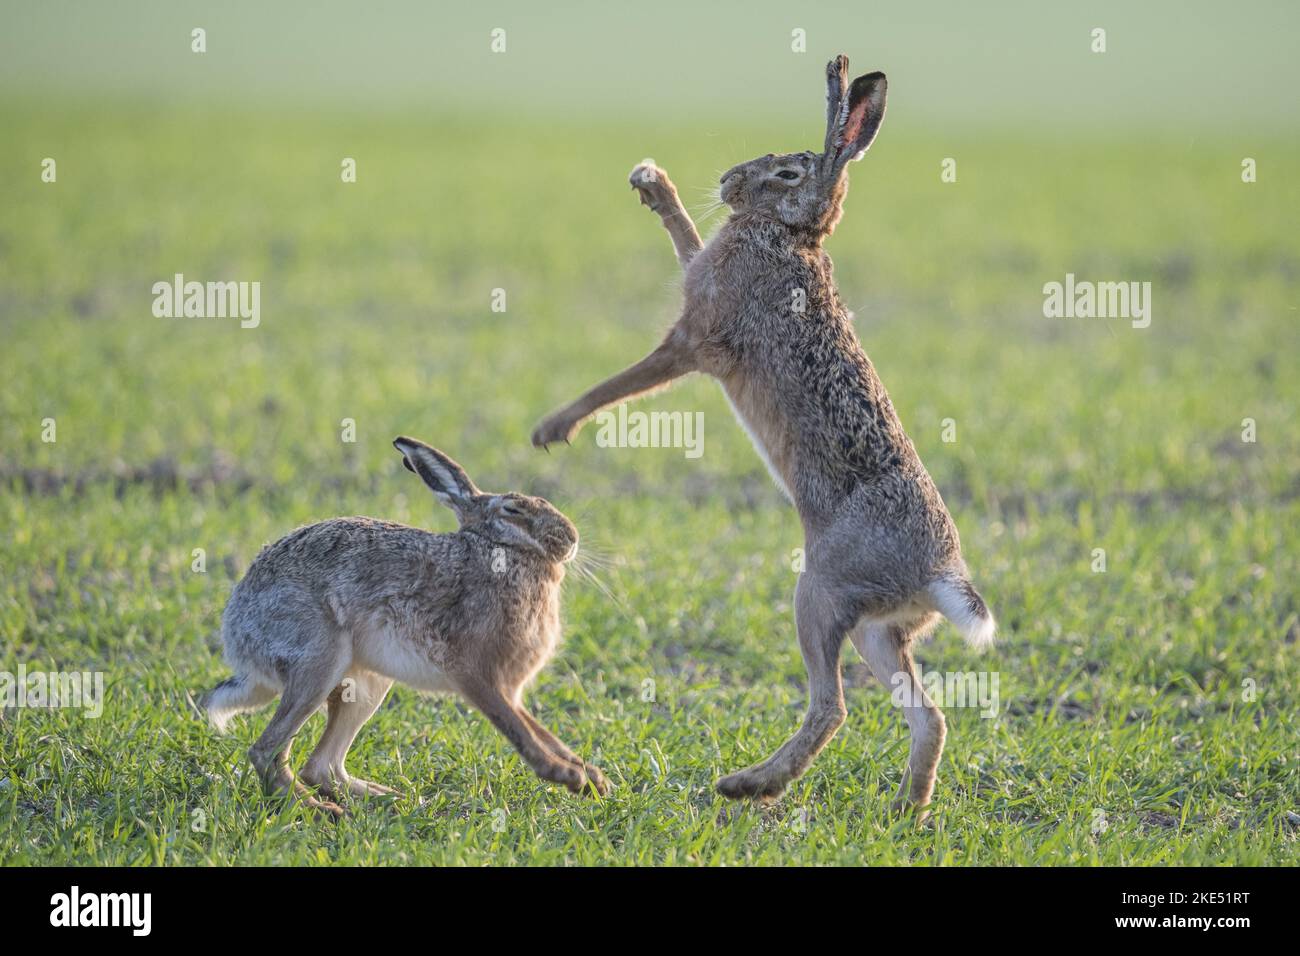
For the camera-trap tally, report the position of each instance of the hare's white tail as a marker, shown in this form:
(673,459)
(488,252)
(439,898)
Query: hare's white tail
(957,600)
(234,695)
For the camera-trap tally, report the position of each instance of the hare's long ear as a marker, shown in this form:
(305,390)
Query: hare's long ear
(446,479)
(853,116)
(837,84)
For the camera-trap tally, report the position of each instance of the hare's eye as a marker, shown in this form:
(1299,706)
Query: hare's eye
(788,174)
(512,510)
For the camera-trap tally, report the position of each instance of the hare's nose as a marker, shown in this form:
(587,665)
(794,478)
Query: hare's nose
(734,170)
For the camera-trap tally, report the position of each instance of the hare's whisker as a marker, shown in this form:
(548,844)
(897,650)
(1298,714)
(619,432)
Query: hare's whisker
(587,574)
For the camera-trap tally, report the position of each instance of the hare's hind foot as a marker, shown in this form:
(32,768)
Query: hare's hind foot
(278,781)
(334,785)
(912,798)
(754,783)
(323,809)
(904,807)
(350,704)
(818,623)
(303,695)
(907,803)
(886,647)
(367,788)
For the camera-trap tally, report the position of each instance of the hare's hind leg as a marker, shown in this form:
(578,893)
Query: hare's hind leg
(497,708)
(822,628)
(886,647)
(553,743)
(350,705)
(304,692)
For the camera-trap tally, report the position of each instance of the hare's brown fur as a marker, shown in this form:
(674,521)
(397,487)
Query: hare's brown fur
(333,613)
(762,315)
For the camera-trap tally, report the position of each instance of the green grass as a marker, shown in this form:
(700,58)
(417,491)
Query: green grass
(1121,692)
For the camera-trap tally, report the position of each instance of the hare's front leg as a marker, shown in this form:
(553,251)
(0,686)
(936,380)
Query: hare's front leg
(820,623)
(658,192)
(672,359)
(887,650)
(594,774)
(350,705)
(497,708)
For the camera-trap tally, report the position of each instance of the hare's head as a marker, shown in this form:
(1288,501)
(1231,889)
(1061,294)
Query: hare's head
(805,191)
(511,520)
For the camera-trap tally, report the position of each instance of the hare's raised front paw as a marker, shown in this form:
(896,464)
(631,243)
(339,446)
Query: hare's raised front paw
(556,428)
(654,187)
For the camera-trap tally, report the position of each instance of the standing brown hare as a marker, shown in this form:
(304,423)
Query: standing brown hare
(763,317)
(333,613)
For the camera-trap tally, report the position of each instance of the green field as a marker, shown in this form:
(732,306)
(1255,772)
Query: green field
(1148,713)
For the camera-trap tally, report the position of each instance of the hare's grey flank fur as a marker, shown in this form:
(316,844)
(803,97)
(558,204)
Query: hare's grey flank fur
(762,316)
(333,613)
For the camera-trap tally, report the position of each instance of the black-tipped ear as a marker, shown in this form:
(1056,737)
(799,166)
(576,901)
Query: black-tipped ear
(837,84)
(860,113)
(446,479)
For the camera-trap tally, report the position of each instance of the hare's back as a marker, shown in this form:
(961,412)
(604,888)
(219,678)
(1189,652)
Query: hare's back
(344,566)
(341,551)
(359,586)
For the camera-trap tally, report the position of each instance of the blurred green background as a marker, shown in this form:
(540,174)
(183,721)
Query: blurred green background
(1122,691)
(1197,65)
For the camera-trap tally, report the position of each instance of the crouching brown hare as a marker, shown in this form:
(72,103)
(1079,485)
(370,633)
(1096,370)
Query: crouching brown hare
(333,613)
(762,315)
